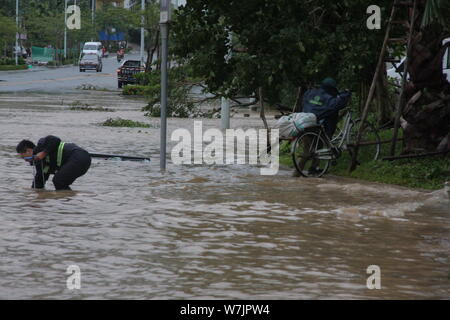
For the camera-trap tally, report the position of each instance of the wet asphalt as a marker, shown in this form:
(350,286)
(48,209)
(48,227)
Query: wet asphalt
(61,79)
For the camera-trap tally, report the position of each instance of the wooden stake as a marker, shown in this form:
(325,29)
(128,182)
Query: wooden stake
(401,99)
(380,64)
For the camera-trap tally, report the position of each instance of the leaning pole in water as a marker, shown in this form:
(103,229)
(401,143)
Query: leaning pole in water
(117,156)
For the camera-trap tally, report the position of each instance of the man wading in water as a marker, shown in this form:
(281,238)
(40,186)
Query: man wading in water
(66,161)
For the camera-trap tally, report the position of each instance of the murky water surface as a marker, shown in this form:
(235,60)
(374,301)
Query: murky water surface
(202,232)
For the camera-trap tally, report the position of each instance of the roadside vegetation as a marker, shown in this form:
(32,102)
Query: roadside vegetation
(7,64)
(87,107)
(12,67)
(119,122)
(88,86)
(243,51)
(425,173)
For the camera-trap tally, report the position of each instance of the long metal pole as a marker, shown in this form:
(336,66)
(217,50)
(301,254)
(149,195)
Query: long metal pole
(17,32)
(225,113)
(164,85)
(93,16)
(225,105)
(65,29)
(142,31)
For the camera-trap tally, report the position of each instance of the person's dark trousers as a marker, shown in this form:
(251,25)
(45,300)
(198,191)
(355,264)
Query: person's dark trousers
(76,166)
(331,124)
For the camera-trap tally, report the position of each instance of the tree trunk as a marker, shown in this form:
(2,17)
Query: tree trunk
(384,102)
(427,121)
(427,111)
(150,55)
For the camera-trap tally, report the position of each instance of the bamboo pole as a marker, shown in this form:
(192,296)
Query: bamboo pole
(372,88)
(401,102)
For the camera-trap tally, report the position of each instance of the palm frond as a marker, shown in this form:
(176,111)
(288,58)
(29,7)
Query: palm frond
(436,11)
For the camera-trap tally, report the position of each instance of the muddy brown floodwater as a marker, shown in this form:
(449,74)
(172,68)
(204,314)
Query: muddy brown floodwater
(202,232)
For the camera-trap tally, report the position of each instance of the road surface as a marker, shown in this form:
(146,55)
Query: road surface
(61,79)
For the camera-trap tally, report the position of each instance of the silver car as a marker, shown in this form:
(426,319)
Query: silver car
(91,62)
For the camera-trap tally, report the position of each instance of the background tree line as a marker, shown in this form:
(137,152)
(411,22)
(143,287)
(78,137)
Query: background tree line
(43,23)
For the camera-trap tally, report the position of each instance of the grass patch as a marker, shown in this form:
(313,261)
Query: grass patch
(78,103)
(13,67)
(135,90)
(426,173)
(87,86)
(79,106)
(87,108)
(119,122)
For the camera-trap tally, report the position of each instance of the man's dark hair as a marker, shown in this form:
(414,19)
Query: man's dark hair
(24,145)
(329,82)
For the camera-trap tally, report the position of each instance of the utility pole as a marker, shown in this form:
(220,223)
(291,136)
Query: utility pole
(164,26)
(142,31)
(65,29)
(225,103)
(93,9)
(225,113)
(17,32)
(93,16)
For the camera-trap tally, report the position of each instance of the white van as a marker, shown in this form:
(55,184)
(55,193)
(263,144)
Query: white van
(93,48)
(392,72)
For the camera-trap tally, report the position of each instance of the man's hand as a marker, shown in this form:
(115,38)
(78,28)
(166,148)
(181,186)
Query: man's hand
(41,155)
(346,92)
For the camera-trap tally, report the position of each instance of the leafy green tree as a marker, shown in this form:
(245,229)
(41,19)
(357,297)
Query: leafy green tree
(43,22)
(115,18)
(7,32)
(277,43)
(280,45)
(46,30)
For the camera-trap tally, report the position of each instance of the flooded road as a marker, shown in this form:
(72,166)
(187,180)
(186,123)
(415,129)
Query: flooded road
(202,232)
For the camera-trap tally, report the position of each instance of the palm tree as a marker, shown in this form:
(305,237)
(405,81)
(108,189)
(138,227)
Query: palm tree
(435,12)
(427,112)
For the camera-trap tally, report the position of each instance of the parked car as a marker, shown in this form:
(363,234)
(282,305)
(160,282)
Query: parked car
(91,62)
(127,71)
